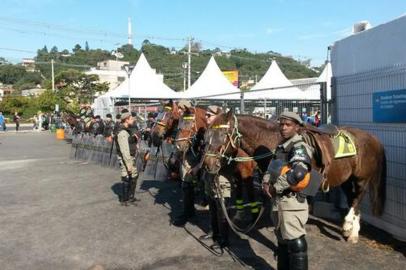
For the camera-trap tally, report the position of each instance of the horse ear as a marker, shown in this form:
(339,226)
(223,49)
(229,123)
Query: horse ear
(229,115)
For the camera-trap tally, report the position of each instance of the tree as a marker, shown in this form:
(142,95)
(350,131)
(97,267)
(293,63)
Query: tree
(9,74)
(54,50)
(3,61)
(74,85)
(77,48)
(86,46)
(47,100)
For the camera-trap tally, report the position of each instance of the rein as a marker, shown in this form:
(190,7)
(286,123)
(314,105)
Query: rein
(233,143)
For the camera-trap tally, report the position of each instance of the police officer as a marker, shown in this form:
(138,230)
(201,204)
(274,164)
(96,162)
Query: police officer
(189,172)
(129,173)
(108,127)
(289,208)
(218,221)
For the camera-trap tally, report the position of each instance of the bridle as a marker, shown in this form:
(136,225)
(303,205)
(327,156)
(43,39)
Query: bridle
(193,129)
(234,141)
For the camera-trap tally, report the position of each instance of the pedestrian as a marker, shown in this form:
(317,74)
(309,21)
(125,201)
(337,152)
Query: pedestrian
(16,120)
(2,122)
(289,208)
(129,173)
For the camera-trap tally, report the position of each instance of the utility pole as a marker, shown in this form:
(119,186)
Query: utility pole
(189,61)
(184,67)
(53,75)
(128,69)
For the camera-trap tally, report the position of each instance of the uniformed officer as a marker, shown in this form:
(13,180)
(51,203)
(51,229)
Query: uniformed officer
(129,173)
(189,172)
(218,221)
(289,209)
(108,127)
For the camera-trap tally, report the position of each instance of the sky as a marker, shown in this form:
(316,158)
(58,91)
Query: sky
(299,28)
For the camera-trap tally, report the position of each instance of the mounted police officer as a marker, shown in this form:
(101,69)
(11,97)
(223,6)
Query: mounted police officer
(290,209)
(124,143)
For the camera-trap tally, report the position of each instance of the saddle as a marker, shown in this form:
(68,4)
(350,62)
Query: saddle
(329,142)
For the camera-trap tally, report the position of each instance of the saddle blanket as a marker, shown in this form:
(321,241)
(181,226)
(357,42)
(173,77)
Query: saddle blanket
(344,145)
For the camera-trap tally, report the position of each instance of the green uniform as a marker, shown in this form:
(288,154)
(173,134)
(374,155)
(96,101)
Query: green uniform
(290,210)
(127,161)
(129,173)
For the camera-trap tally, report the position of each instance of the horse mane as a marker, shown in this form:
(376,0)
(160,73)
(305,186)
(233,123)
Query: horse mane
(319,141)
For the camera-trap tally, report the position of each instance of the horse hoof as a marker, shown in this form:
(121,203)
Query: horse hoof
(353,239)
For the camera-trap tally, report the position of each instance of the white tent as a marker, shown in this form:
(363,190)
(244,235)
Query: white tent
(326,76)
(144,84)
(313,92)
(274,78)
(212,82)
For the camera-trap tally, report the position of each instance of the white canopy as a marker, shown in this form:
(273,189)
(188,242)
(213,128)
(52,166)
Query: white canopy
(144,84)
(313,92)
(326,76)
(212,82)
(274,78)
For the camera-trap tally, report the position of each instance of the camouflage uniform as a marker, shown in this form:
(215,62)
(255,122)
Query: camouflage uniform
(290,210)
(129,173)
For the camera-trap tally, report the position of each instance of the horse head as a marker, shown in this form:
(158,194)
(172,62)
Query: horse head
(166,123)
(221,139)
(192,122)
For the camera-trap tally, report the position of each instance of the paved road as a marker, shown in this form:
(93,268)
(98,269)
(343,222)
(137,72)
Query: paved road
(57,213)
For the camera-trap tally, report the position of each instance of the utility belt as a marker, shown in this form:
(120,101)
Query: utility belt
(299,195)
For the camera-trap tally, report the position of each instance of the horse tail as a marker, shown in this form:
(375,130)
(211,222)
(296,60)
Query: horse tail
(377,187)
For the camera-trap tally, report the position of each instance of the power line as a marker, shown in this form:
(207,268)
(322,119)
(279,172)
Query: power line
(17,50)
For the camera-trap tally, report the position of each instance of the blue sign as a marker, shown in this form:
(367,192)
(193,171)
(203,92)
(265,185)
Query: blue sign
(389,106)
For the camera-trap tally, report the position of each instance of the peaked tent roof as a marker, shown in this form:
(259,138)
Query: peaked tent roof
(144,84)
(326,76)
(274,78)
(212,82)
(313,92)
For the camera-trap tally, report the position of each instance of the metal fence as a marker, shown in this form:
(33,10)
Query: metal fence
(354,107)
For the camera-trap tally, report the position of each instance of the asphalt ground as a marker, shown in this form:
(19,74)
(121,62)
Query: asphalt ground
(58,213)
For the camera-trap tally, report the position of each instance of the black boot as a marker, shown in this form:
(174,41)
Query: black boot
(188,205)
(222,240)
(133,185)
(222,227)
(297,249)
(283,257)
(213,219)
(125,191)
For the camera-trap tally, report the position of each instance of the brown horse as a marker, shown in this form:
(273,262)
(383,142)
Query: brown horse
(165,126)
(193,121)
(257,138)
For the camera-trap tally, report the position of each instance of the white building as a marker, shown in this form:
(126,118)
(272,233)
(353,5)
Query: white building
(110,71)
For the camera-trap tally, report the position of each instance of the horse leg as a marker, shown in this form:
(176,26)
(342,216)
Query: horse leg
(360,187)
(347,187)
(354,189)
